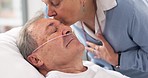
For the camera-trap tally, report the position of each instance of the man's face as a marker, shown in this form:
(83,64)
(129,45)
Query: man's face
(66,11)
(62,50)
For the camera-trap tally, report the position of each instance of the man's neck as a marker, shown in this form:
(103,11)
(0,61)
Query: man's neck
(72,67)
(76,67)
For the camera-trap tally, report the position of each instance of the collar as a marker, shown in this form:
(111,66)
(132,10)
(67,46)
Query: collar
(106,4)
(102,7)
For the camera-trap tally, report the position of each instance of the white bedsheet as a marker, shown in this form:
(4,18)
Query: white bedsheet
(12,64)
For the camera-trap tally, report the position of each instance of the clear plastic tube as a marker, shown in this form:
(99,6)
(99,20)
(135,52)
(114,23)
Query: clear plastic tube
(50,41)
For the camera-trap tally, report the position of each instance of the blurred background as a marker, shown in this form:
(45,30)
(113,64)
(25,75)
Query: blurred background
(14,13)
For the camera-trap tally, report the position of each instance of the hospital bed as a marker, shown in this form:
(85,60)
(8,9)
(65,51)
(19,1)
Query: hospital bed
(12,64)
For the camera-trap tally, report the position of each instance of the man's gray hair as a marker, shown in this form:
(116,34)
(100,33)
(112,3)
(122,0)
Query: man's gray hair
(25,42)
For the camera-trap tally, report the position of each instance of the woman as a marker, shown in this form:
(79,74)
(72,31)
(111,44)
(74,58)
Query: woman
(121,26)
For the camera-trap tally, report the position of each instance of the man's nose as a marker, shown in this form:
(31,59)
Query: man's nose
(61,27)
(66,30)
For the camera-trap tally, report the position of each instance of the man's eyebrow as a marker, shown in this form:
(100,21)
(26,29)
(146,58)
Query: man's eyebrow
(43,24)
(48,24)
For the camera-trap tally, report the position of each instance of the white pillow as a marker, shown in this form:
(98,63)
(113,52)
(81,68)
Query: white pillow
(12,64)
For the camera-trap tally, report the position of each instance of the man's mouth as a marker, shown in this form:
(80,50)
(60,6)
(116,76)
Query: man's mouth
(69,40)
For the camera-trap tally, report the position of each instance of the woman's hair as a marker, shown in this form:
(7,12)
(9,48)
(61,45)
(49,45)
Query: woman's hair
(25,41)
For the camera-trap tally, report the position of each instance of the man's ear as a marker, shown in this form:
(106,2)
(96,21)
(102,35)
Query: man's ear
(34,60)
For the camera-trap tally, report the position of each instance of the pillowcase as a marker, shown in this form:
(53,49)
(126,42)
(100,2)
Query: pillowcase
(12,63)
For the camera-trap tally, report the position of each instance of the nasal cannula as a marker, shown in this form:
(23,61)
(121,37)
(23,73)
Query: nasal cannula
(50,41)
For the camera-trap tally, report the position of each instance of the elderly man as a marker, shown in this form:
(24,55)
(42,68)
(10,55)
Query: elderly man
(55,51)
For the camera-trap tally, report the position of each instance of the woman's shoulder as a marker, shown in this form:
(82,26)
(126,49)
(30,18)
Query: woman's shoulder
(132,7)
(131,4)
(122,9)
(125,4)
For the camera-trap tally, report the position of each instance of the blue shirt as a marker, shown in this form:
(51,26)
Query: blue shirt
(126,30)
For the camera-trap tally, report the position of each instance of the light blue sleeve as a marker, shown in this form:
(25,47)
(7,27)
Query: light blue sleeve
(138,58)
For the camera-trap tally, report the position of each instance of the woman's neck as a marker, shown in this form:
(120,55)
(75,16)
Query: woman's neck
(89,16)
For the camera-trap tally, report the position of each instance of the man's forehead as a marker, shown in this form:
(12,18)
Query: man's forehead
(34,25)
(40,24)
(41,21)
(35,30)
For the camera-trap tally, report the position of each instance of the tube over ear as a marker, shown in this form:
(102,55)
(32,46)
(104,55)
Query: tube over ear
(34,60)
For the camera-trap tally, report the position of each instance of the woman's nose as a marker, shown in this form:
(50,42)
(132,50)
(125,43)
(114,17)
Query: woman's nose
(51,12)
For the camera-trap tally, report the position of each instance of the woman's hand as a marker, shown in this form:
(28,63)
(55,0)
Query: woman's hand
(104,51)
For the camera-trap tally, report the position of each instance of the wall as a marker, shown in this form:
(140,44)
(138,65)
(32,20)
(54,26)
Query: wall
(34,6)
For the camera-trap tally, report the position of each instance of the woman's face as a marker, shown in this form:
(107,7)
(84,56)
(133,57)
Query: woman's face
(66,11)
